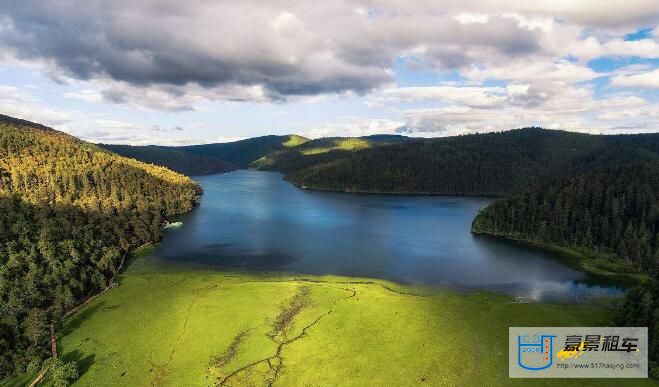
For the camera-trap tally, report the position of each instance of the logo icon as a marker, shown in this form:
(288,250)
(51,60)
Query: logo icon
(534,352)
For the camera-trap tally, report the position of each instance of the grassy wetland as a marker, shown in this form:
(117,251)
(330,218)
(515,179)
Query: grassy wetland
(167,327)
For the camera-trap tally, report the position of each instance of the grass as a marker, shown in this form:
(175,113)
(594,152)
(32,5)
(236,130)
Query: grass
(294,140)
(169,327)
(344,144)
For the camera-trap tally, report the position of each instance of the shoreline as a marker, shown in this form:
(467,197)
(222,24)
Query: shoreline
(577,260)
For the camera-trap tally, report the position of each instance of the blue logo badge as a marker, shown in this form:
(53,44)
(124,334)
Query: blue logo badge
(534,353)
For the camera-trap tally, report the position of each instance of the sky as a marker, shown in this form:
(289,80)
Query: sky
(176,72)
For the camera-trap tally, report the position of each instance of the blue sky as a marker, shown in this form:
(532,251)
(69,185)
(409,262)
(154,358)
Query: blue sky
(164,72)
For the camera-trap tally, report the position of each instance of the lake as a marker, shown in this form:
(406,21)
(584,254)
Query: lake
(253,220)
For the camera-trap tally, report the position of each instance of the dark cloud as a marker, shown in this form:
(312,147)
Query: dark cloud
(129,43)
(287,50)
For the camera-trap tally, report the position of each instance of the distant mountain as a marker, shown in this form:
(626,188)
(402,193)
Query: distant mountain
(281,153)
(186,163)
(69,212)
(243,152)
(314,152)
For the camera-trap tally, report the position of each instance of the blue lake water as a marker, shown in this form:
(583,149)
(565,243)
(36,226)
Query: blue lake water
(256,221)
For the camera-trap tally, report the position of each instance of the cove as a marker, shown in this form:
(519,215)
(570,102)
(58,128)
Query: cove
(255,221)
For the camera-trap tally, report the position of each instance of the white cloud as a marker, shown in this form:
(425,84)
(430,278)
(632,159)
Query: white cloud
(471,96)
(573,109)
(533,70)
(649,79)
(19,103)
(353,127)
(591,48)
(87,95)
(468,18)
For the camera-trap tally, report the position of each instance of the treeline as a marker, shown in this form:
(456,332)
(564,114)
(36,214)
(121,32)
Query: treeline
(609,215)
(182,162)
(69,212)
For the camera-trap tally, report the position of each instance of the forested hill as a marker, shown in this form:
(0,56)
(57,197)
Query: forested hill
(609,211)
(186,163)
(69,211)
(479,164)
(209,159)
(321,150)
(280,153)
(243,152)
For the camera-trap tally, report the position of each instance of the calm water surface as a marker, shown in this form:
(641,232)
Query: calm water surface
(256,221)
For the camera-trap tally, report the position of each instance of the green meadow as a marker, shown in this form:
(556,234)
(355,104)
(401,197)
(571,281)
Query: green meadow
(197,327)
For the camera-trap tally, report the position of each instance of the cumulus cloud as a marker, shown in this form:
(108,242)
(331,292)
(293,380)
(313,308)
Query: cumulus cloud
(282,49)
(22,103)
(353,127)
(470,96)
(649,79)
(19,103)
(592,47)
(203,43)
(576,109)
(515,63)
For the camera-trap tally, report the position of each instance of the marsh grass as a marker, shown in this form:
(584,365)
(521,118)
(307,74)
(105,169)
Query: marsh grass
(202,327)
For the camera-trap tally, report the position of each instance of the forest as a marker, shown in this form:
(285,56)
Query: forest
(182,162)
(319,151)
(612,211)
(480,164)
(70,212)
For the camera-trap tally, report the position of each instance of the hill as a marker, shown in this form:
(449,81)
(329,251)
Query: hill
(243,152)
(319,151)
(182,162)
(280,153)
(479,164)
(611,211)
(70,212)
